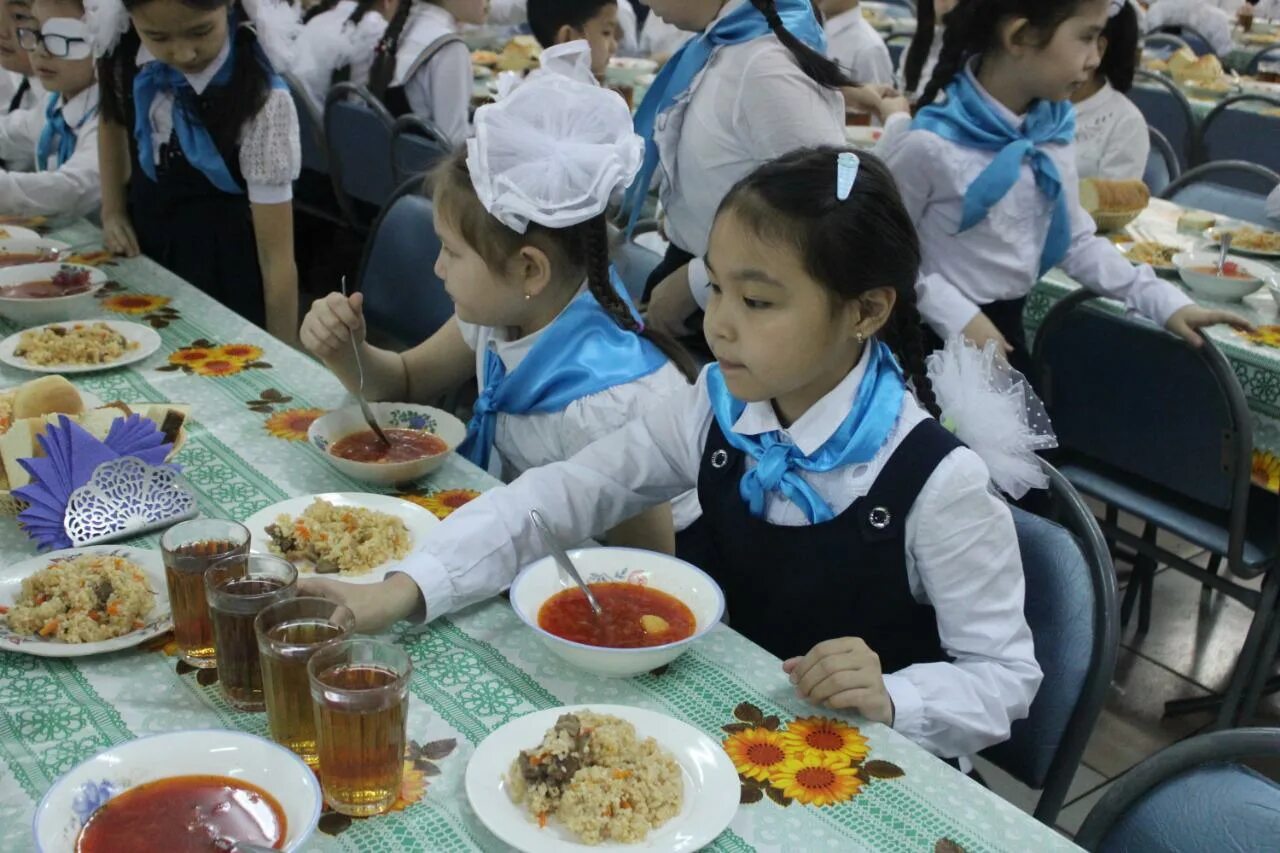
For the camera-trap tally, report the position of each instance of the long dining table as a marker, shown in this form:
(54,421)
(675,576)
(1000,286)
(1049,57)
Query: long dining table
(252,398)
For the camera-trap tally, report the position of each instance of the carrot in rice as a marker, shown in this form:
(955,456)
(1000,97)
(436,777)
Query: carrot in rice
(542,820)
(49,628)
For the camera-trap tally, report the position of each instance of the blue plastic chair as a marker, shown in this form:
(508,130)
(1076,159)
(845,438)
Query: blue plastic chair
(1162,163)
(634,263)
(1235,129)
(416,147)
(358,129)
(1071,608)
(1192,797)
(1230,187)
(897,43)
(403,298)
(1178,462)
(1268,55)
(315,153)
(1163,45)
(1194,39)
(1167,110)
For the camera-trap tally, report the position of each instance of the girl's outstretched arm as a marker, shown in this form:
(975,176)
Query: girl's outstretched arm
(115,167)
(273,229)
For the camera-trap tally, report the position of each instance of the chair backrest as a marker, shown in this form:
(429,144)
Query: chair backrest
(1237,129)
(1105,382)
(1231,187)
(1270,55)
(1193,796)
(1193,38)
(634,263)
(1162,163)
(1167,110)
(897,43)
(1163,44)
(358,129)
(1071,609)
(402,295)
(315,154)
(416,146)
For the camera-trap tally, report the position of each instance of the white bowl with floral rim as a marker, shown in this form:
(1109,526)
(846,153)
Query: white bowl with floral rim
(337,425)
(538,581)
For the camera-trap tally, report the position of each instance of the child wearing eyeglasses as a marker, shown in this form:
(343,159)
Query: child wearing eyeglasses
(63,132)
(18,91)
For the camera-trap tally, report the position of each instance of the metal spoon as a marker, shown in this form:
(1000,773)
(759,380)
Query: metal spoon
(364,404)
(1224,246)
(562,559)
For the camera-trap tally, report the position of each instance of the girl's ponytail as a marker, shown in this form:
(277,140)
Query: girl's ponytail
(116,71)
(595,252)
(816,67)
(902,334)
(247,90)
(384,61)
(921,43)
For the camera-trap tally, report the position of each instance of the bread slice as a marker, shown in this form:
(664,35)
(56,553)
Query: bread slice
(46,395)
(1098,195)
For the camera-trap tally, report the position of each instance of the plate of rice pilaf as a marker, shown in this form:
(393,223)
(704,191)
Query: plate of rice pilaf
(83,601)
(81,347)
(602,778)
(352,536)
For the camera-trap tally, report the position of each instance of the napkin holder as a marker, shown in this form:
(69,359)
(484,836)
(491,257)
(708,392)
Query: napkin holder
(127,497)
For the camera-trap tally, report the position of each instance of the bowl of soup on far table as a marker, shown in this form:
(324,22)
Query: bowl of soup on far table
(35,294)
(1238,278)
(422,437)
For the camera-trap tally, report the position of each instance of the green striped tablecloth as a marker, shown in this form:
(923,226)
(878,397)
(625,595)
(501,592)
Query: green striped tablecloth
(474,671)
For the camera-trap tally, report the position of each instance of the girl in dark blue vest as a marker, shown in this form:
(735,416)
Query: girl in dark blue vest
(199,150)
(854,536)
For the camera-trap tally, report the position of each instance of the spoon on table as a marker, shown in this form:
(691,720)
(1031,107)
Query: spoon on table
(364,404)
(1225,245)
(562,559)
(228,846)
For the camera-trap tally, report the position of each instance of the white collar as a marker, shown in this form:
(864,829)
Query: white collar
(513,351)
(1004,112)
(846,20)
(75,109)
(199,82)
(812,429)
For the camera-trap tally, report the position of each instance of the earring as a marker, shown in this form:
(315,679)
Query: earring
(859,337)
(528,296)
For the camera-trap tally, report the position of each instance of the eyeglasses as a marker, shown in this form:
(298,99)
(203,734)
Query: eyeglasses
(57,46)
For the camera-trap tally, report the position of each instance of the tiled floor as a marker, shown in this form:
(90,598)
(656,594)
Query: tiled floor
(1189,651)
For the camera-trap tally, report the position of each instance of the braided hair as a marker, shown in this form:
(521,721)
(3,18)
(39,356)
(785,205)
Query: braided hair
(363,8)
(973,28)
(384,59)
(792,200)
(921,43)
(818,68)
(575,252)
(1121,58)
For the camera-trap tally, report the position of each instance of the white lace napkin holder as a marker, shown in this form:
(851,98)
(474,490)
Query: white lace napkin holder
(126,497)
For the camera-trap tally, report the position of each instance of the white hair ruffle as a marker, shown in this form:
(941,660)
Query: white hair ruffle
(107,21)
(277,25)
(325,49)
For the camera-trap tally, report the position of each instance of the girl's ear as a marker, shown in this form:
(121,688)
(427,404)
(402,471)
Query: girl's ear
(1015,36)
(567,33)
(874,307)
(531,270)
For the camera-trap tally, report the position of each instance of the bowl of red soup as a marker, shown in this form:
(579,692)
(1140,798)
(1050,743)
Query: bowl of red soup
(422,437)
(177,792)
(1237,279)
(17,251)
(34,294)
(653,607)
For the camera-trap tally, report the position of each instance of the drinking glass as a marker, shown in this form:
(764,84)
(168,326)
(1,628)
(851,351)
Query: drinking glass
(238,589)
(188,550)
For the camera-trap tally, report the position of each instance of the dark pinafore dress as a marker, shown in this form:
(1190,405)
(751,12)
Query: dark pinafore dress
(790,588)
(194,229)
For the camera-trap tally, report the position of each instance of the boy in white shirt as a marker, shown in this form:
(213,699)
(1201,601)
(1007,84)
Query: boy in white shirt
(63,133)
(854,43)
(1207,20)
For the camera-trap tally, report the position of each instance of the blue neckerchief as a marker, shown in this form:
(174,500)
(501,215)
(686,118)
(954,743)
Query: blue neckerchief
(193,137)
(858,438)
(55,124)
(582,352)
(741,25)
(967,119)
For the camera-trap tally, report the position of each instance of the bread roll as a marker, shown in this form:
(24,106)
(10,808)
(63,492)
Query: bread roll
(46,395)
(1102,196)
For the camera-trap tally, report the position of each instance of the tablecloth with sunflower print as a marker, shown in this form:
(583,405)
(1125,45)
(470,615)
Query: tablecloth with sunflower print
(807,780)
(1255,358)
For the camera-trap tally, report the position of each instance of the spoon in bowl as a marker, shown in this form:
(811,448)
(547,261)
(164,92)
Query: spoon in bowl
(227,845)
(562,560)
(1225,246)
(364,404)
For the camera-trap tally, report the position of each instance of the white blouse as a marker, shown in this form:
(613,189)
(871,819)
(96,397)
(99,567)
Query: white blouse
(528,441)
(440,90)
(858,49)
(329,41)
(74,189)
(926,70)
(999,258)
(270,150)
(751,103)
(1211,22)
(1111,137)
(962,552)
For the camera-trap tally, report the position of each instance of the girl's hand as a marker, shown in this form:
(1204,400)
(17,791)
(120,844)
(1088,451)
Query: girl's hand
(862,99)
(1185,322)
(671,304)
(980,329)
(118,236)
(376,606)
(331,324)
(893,105)
(843,674)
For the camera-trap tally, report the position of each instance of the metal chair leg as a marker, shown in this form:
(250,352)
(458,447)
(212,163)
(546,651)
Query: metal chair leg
(1262,670)
(1215,564)
(1113,521)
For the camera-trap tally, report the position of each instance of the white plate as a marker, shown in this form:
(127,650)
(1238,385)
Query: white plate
(158,621)
(1212,236)
(147,338)
(13,232)
(23,245)
(711,784)
(418,520)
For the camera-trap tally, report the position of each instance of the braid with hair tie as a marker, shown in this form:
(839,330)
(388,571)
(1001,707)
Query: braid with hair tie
(384,61)
(956,48)
(921,42)
(904,337)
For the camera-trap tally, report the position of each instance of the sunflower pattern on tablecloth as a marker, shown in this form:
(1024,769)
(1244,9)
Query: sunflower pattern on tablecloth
(292,424)
(1266,470)
(1267,336)
(421,762)
(443,503)
(150,308)
(815,761)
(93,258)
(205,358)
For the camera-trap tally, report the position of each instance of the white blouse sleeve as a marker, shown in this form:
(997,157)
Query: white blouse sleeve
(779,109)
(963,549)
(19,132)
(74,189)
(476,553)
(270,150)
(441,91)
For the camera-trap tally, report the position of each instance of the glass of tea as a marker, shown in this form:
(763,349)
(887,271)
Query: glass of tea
(289,633)
(238,589)
(360,688)
(189,549)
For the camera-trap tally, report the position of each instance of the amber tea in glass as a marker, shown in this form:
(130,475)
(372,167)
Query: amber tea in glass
(289,633)
(361,693)
(239,588)
(189,549)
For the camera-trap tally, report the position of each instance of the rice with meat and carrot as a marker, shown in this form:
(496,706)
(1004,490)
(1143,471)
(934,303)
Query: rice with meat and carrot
(352,540)
(593,775)
(85,599)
